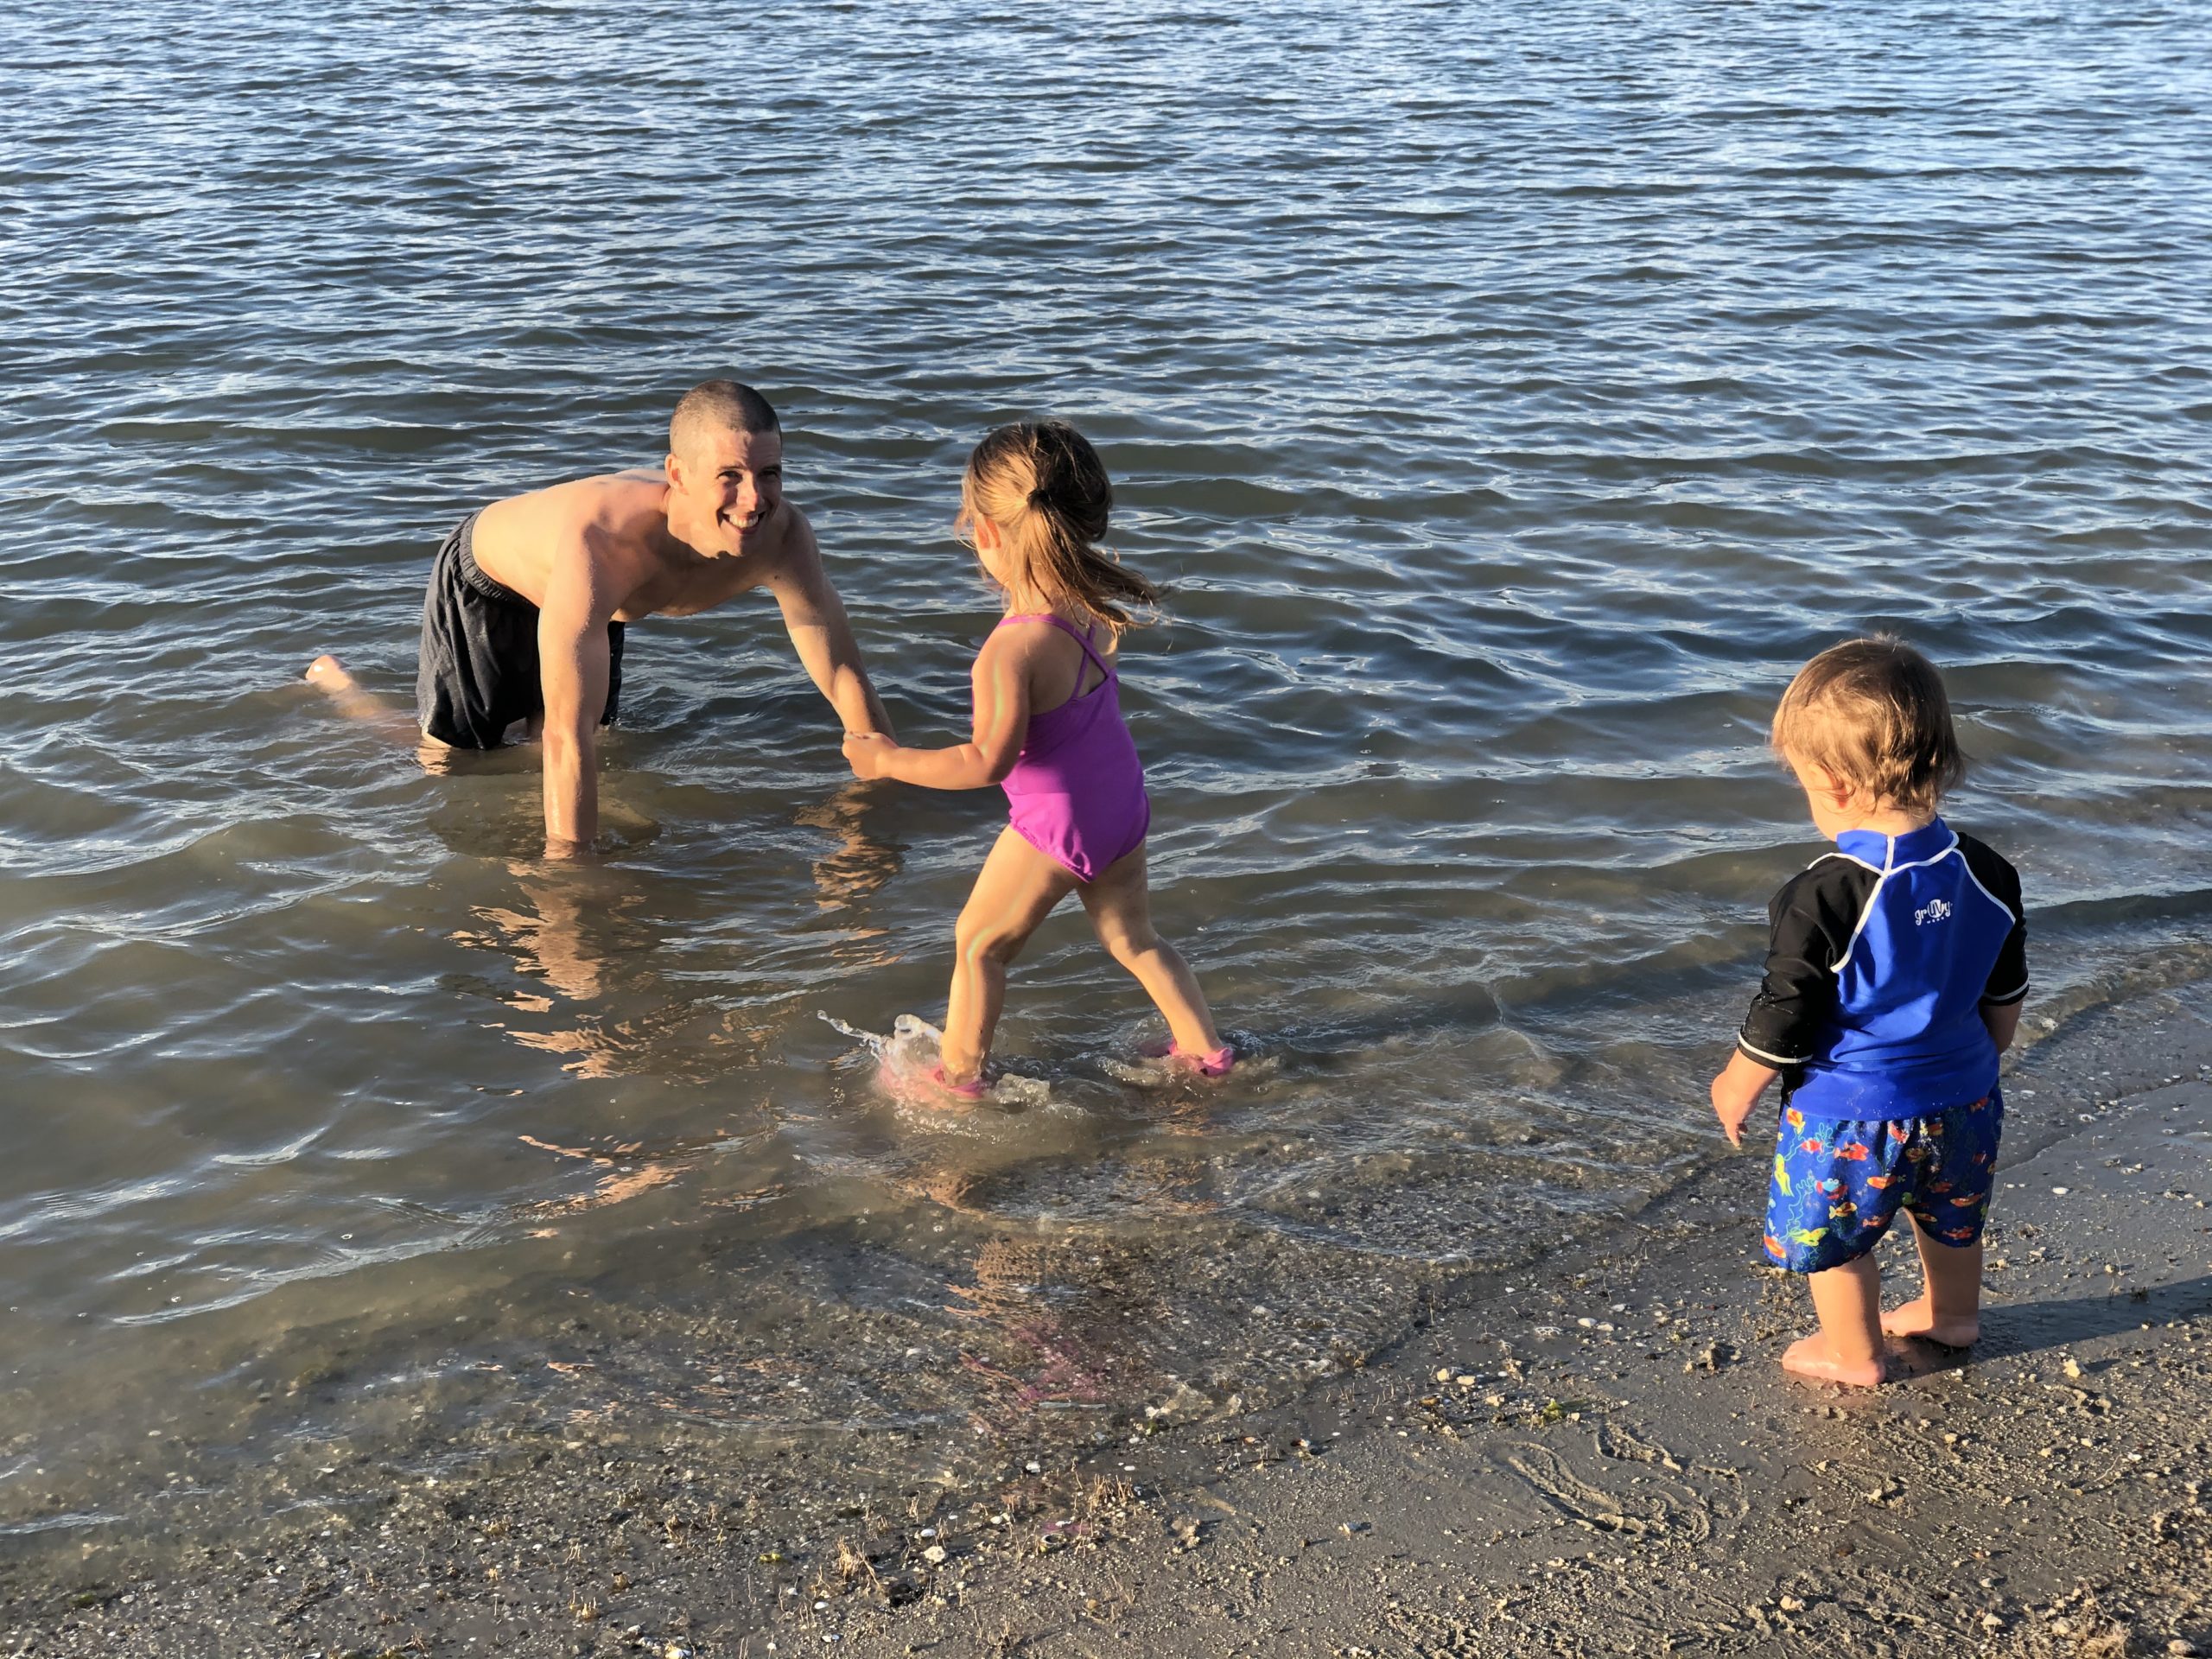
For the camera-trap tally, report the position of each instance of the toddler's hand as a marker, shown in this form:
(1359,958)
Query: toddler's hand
(868,754)
(1736,1090)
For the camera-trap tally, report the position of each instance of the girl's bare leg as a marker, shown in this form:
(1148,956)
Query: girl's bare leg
(1120,903)
(1014,892)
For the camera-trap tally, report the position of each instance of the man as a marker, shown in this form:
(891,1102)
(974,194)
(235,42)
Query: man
(528,598)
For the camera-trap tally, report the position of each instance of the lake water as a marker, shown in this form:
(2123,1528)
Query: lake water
(1509,398)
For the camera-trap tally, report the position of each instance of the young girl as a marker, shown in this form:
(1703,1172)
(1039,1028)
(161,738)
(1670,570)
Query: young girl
(1048,728)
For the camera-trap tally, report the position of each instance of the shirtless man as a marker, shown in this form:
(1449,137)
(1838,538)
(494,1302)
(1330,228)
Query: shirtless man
(524,618)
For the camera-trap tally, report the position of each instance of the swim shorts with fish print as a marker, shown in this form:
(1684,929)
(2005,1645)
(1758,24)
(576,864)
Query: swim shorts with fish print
(1837,1185)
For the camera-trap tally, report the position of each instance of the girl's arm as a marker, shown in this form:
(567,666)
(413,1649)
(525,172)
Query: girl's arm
(1000,686)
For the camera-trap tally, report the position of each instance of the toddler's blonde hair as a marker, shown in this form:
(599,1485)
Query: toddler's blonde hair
(1874,713)
(1043,486)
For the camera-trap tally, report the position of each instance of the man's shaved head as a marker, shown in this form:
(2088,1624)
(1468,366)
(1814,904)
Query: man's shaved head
(714,406)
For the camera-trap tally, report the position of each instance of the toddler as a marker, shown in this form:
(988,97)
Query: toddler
(1894,979)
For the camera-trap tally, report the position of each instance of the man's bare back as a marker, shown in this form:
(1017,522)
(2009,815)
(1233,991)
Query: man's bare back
(528,598)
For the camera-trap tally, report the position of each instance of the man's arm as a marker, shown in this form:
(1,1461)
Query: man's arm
(1000,683)
(572,665)
(820,634)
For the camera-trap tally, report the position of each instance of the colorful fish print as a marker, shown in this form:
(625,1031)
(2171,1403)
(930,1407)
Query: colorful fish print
(1810,1145)
(1795,1118)
(1807,1235)
(1855,1155)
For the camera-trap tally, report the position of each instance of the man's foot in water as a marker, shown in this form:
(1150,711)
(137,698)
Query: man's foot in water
(354,701)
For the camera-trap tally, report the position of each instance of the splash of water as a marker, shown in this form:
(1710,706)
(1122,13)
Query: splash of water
(906,1059)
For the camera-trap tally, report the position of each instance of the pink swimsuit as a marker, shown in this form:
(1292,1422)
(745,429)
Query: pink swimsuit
(1077,794)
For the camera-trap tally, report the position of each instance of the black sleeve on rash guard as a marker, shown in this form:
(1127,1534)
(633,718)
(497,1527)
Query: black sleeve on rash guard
(1813,919)
(2008,980)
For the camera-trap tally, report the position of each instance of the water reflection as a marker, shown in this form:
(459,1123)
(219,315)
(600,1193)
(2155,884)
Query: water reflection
(614,957)
(549,934)
(862,861)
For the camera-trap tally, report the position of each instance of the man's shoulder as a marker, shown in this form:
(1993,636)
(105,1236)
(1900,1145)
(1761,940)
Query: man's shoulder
(635,499)
(604,507)
(794,536)
(791,554)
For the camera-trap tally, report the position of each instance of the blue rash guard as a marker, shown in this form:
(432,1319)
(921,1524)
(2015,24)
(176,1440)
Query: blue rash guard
(1883,954)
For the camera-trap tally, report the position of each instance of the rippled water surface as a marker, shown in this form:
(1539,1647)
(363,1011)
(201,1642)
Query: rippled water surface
(1509,398)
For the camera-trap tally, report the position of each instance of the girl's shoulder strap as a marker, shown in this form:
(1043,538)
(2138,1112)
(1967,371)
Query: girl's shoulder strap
(1065,626)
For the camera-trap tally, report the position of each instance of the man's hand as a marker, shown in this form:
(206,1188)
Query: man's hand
(869,755)
(1736,1090)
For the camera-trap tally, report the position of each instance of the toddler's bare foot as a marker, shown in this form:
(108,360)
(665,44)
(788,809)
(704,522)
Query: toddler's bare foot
(1811,1357)
(1917,1318)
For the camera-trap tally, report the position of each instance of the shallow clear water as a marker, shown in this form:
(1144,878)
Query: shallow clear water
(1510,399)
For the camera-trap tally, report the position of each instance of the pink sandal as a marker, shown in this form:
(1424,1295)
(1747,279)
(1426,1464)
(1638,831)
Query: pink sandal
(1209,1065)
(974,1088)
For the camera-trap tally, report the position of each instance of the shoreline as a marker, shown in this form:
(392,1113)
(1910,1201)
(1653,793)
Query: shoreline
(1511,1476)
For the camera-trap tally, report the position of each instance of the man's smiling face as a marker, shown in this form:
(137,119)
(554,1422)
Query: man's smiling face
(733,484)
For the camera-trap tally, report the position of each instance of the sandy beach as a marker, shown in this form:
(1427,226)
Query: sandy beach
(413,1242)
(1603,1460)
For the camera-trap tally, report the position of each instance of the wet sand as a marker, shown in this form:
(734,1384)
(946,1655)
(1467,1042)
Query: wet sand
(1603,1461)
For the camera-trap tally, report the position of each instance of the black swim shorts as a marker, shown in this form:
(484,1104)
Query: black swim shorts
(478,672)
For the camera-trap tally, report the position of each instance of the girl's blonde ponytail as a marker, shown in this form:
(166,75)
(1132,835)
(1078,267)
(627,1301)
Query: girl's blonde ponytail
(1043,486)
